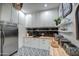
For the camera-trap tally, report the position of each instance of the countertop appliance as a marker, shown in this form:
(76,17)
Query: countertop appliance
(8,39)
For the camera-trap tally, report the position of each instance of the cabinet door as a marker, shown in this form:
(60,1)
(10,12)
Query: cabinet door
(6,12)
(0,10)
(14,16)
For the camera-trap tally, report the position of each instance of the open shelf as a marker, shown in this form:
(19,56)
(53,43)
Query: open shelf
(64,23)
(64,31)
(46,30)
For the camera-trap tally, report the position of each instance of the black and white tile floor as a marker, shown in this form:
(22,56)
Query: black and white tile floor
(29,51)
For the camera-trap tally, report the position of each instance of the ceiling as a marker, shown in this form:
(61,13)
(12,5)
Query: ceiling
(34,7)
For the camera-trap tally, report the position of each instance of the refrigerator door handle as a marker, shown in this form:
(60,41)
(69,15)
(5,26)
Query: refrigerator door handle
(3,37)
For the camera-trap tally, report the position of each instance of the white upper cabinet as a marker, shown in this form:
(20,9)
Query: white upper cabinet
(14,15)
(6,12)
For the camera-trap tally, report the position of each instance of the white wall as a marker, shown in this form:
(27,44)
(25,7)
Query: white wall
(74,40)
(72,36)
(22,33)
(22,29)
(42,19)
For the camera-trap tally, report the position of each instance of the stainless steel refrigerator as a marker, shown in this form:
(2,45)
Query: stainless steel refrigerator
(8,39)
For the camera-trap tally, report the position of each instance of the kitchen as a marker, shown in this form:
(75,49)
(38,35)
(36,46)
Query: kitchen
(15,16)
(29,29)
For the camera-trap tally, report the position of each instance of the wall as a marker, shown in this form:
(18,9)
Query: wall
(72,36)
(22,33)
(42,19)
(21,28)
(75,41)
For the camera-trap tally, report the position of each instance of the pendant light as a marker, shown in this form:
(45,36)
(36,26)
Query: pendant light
(18,6)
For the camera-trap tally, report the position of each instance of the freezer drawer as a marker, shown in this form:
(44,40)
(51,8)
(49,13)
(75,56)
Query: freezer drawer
(10,46)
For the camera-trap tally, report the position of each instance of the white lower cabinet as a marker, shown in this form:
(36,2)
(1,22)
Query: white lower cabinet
(37,43)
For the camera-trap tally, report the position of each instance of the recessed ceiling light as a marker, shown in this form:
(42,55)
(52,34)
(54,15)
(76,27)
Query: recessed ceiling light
(29,15)
(45,5)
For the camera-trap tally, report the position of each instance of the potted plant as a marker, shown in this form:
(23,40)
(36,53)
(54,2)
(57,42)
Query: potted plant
(58,20)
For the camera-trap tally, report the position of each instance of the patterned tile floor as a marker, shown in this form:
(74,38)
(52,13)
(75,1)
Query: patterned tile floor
(29,51)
